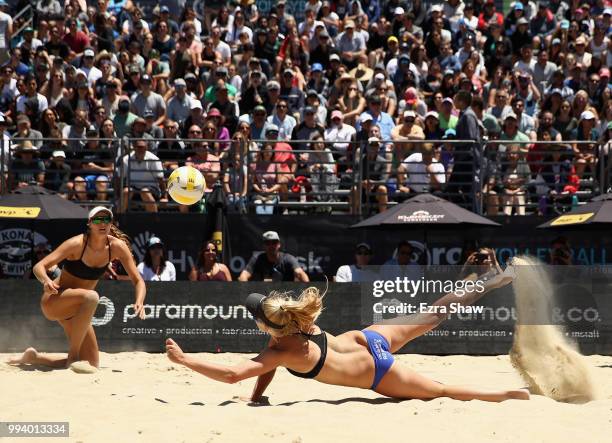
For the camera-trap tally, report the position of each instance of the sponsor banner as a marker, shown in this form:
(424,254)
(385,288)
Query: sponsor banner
(321,244)
(209,317)
(571,219)
(11,212)
(420,217)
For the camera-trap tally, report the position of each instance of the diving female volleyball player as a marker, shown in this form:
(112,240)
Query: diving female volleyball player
(361,359)
(71,299)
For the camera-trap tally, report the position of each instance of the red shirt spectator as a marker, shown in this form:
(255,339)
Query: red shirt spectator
(75,39)
(489,15)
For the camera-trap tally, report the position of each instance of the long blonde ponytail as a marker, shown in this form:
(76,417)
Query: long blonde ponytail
(295,315)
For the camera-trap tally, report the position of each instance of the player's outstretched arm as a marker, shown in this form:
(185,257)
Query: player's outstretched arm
(265,362)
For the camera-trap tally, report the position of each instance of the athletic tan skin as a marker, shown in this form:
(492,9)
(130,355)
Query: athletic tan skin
(349,362)
(72,301)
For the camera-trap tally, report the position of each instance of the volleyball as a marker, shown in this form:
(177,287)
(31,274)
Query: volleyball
(186,185)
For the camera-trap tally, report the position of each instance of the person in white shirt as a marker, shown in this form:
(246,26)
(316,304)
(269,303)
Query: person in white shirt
(339,133)
(31,92)
(356,272)
(424,172)
(155,266)
(145,177)
(6,33)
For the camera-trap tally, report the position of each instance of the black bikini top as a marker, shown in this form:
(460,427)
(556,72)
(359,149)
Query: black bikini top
(321,341)
(79,269)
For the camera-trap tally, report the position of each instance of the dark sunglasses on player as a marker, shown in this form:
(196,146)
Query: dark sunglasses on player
(101,220)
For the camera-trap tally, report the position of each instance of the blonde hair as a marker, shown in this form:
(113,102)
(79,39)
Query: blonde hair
(294,315)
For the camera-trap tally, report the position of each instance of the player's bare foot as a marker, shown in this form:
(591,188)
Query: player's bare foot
(71,359)
(519,394)
(28,357)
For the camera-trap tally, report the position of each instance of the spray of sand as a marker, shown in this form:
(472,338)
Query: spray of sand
(548,363)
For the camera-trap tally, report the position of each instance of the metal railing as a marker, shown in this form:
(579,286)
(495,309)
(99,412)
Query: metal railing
(330,180)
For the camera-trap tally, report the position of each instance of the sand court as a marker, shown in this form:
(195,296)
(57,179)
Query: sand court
(140,397)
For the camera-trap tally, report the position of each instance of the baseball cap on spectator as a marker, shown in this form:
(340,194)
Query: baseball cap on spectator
(448,100)
(89,53)
(145,78)
(449,72)
(317,67)
(196,104)
(373,141)
(288,72)
(436,8)
(449,134)
(579,11)
(324,34)
(607,11)
(164,9)
(376,99)
(363,248)
(349,24)
(309,110)
(58,154)
(604,72)
(565,24)
(148,114)
(587,115)
(312,93)
(511,115)
(23,119)
(518,6)
(272,128)
(214,112)
(411,96)
(580,40)
(273,85)
(153,241)
(334,57)
(556,91)
(134,69)
(365,118)
(399,11)
(222,70)
(270,236)
(522,21)
(433,114)
(556,41)
(379,77)
(259,108)
(336,114)
(392,39)
(180,83)
(190,76)
(409,114)
(491,125)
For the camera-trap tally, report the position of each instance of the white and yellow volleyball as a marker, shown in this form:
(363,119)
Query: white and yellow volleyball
(186,185)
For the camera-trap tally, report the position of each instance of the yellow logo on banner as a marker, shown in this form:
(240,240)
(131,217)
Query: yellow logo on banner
(571,219)
(8,211)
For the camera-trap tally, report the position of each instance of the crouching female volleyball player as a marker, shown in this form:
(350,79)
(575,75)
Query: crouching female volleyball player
(361,359)
(71,299)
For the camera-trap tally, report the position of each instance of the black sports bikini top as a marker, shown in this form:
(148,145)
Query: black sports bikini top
(321,341)
(79,269)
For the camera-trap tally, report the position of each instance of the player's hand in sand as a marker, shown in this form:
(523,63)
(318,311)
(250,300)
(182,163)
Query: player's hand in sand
(50,287)
(174,352)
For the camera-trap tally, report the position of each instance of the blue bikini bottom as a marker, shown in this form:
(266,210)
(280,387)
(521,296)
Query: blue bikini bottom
(383,359)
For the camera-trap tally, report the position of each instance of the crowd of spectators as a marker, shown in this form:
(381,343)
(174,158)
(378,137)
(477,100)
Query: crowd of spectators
(380,90)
